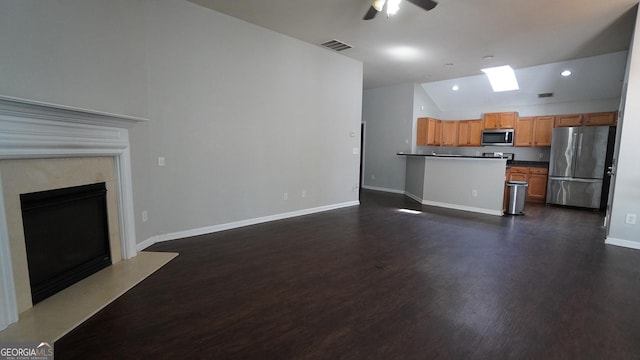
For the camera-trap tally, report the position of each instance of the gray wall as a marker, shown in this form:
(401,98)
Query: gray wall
(241,114)
(388,116)
(86,54)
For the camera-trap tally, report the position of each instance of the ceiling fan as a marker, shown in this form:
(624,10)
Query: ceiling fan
(394,5)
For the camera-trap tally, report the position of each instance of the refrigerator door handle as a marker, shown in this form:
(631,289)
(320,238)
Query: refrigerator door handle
(580,143)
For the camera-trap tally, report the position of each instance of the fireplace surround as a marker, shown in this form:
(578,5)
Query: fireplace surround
(36,130)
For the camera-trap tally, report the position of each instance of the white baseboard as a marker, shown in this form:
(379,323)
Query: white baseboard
(463,208)
(237,224)
(414,197)
(624,243)
(377,188)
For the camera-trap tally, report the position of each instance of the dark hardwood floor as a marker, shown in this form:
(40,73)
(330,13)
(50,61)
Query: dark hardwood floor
(372,282)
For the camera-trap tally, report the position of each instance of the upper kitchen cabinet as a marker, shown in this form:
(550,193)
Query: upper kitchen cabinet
(533,131)
(428,132)
(542,130)
(523,132)
(601,119)
(449,133)
(469,132)
(503,120)
(421,131)
(568,120)
(434,132)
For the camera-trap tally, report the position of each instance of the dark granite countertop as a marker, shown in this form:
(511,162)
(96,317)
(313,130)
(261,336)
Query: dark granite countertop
(540,164)
(451,156)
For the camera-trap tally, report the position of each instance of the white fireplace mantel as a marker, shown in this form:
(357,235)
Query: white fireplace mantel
(30,129)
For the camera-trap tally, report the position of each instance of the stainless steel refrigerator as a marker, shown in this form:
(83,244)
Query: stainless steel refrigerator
(577,166)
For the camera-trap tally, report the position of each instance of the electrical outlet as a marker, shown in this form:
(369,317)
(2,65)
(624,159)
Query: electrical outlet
(630,219)
(285,196)
(540,156)
(373,177)
(161,161)
(304,193)
(474,192)
(145,216)
(356,151)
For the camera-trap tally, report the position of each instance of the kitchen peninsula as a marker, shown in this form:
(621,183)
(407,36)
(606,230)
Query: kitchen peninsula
(470,183)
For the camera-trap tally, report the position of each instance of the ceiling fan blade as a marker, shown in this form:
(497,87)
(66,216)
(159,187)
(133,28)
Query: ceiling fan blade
(425,4)
(370,14)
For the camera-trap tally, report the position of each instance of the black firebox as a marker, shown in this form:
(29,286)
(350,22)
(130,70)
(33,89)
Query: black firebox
(66,235)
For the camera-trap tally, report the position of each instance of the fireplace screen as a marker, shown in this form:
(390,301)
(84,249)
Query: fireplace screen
(66,235)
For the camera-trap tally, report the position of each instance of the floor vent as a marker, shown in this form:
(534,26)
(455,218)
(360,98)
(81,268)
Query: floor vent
(336,45)
(545,95)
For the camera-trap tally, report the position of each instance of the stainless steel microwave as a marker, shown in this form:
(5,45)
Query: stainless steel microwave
(502,137)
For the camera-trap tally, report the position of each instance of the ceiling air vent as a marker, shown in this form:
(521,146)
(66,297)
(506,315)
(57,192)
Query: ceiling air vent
(545,95)
(336,45)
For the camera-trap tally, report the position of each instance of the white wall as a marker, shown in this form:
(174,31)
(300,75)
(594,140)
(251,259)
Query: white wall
(241,114)
(626,197)
(388,114)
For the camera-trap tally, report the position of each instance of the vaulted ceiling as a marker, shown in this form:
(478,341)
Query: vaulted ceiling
(452,40)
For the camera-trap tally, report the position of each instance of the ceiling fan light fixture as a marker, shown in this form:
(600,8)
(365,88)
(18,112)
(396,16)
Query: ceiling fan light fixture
(378,4)
(392,7)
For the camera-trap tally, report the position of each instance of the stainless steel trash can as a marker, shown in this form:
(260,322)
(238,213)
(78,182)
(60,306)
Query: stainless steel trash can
(517,196)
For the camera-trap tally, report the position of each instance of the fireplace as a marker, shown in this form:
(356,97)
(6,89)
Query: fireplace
(50,135)
(66,235)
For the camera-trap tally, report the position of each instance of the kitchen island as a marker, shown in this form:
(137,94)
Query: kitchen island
(470,183)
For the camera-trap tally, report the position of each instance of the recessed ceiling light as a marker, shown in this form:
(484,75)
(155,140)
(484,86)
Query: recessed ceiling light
(487,57)
(455,88)
(566,73)
(502,78)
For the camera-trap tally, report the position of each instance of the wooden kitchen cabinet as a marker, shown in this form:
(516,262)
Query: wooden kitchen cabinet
(518,173)
(469,132)
(421,131)
(537,189)
(449,133)
(568,120)
(502,120)
(601,119)
(536,178)
(542,130)
(533,131)
(434,132)
(523,132)
(428,132)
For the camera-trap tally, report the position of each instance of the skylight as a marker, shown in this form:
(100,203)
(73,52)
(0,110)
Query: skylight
(502,78)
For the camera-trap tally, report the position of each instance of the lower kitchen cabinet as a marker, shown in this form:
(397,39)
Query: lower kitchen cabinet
(537,190)
(536,178)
